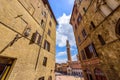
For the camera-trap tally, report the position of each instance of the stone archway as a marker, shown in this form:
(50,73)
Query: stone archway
(99,74)
(89,75)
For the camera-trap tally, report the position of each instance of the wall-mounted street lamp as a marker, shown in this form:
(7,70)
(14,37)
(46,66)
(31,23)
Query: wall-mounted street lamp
(27,32)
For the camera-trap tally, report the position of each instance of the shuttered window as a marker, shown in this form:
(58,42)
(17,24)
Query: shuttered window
(39,39)
(34,36)
(47,45)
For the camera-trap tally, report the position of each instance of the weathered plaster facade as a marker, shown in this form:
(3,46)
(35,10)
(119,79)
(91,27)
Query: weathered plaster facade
(99,19)
(15,17)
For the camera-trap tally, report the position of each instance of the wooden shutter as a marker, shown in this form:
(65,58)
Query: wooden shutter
(34,36)
(39,39)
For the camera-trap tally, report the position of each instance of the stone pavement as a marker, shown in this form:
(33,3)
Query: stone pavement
(65,77)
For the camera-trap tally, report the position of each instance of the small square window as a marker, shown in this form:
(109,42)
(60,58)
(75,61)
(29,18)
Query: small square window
(47,45)
(44,13)
(45,61)
(84,33)
(42,23)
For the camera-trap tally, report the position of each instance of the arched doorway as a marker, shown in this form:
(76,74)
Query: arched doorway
(89,75)
(50,78)
(99,74)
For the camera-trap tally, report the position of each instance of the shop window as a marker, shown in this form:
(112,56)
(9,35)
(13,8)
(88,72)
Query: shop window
(117,29)
(45,61)
(47,45)
(5,66)
(84,33)
(101,40)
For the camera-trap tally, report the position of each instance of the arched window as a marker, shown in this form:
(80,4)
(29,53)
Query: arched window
(117,29)
(99,74)
(101,39)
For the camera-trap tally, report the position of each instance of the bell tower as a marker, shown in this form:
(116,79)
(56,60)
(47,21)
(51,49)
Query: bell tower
(68,51)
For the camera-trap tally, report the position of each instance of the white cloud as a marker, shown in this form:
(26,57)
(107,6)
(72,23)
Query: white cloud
(61,53)
(64,31)
(61,60)
(74,58)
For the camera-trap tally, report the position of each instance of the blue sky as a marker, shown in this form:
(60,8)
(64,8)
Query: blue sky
(62,10)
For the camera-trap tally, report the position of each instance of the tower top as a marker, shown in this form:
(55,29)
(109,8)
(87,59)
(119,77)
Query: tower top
(67,44)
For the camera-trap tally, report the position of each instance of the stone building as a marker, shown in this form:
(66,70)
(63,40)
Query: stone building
(96,26)
(28,40)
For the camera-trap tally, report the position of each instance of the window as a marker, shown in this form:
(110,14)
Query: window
(36,38)
(101,40)
(5,66)
(83,55)
(79,39)
(84,33)
(93,50)
(79,19)
(117,29)
(42,78)
(89,51)
(50,23)
(42,23)
(84,9)
(39,39)
(47,45)
(92,24)
(49,32)
(45,61)
(44,13)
